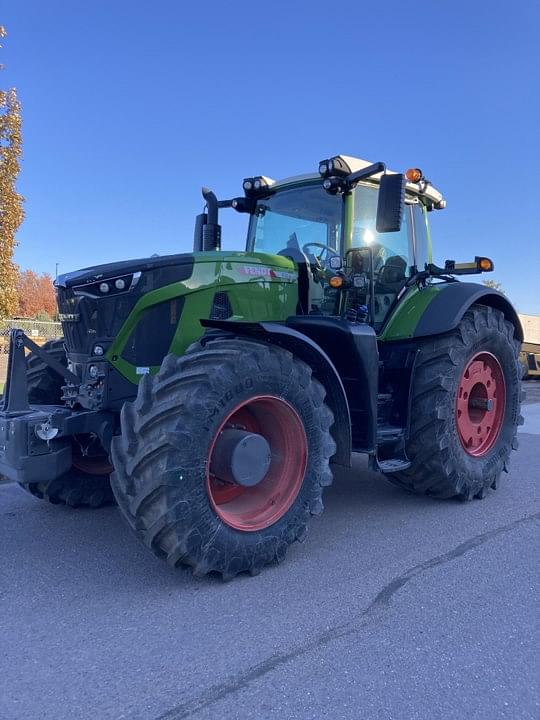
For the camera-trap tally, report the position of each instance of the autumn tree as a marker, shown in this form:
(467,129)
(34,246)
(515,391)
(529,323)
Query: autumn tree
(36,295)
(493,284)
(11,203)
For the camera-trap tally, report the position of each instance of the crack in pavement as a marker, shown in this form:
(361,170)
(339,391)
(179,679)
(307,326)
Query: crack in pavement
(381,602)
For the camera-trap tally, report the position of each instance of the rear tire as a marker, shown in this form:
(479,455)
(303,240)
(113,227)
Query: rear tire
(443,465)
(162,479)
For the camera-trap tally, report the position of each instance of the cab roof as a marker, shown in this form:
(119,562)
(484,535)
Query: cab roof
(423,189)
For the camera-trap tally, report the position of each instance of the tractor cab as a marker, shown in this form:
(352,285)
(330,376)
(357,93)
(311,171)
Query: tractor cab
(351,227)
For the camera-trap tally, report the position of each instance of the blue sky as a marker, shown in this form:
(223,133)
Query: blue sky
(129,107)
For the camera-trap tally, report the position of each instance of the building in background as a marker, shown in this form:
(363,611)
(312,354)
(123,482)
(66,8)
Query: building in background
(530,351)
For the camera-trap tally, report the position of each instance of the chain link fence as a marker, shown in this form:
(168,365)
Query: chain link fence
(38,331)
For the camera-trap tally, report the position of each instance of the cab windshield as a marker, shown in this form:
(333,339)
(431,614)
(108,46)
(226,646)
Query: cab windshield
(296,217)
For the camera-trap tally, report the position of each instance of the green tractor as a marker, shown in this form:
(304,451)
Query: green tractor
(211,393)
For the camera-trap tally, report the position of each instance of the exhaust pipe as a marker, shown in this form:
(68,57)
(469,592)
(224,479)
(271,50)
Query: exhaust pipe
(211,229)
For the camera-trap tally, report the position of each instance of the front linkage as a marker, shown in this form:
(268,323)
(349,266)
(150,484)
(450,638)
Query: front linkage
(36,441)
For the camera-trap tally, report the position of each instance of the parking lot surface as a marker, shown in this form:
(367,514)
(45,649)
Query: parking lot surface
(395,607)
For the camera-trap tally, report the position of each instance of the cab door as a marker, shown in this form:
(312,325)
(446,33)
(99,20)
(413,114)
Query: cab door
(393,253)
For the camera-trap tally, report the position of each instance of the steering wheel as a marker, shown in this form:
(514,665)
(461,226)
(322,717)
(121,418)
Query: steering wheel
(329,251)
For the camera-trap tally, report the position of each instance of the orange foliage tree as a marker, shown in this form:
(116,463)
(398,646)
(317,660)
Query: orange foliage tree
(36,295)
(11,208)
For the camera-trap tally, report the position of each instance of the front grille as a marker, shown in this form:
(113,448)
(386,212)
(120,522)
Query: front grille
(221,307)
(151,338)
(98,318)
(90,316)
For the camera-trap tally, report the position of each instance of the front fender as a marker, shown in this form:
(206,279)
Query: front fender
(323,368)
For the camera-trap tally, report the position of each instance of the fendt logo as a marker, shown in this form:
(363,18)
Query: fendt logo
(258,271)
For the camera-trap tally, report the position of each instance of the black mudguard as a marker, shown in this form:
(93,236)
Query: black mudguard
(323,368)
(446,311)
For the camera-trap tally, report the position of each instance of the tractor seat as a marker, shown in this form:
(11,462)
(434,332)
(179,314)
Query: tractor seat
(392,275)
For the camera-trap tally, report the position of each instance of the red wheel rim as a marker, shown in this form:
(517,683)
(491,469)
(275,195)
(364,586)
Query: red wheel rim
(93,465)
(480,404)
(94,462)
(258,507)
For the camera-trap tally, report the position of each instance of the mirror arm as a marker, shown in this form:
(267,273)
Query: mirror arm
(367,172)
(442,273)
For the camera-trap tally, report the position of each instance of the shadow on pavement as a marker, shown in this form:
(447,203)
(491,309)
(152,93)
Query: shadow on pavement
(63,542)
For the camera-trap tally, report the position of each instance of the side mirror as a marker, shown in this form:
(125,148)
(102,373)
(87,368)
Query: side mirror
(391,203)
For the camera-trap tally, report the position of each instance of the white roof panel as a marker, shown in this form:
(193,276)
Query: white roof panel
(424,190)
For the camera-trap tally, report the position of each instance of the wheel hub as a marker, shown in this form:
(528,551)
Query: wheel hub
(240,457)
(480,403)
(256,463)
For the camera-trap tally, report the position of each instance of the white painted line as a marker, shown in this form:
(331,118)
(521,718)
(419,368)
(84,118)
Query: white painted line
(531,413)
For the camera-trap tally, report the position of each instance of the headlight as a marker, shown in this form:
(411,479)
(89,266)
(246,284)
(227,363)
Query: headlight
(253,186)
(336,166)
(110,286)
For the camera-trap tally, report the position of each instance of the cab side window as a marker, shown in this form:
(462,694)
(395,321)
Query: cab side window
(384,245)
(393,253)
(422,249)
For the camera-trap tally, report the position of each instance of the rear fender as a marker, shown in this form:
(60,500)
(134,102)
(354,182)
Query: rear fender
(440,308)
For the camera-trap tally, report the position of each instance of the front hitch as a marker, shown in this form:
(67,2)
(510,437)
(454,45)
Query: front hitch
(36,440)
(16,391)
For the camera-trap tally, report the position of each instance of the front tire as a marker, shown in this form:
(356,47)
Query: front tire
(165,480)
(76,489)
(45,385)
(465,411)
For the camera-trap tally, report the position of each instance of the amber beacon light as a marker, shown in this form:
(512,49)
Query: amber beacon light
(414,175)
(336,281)
(485,264)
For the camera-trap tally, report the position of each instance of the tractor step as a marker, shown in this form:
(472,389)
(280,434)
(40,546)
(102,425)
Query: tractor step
(391,456)
(384,407)
(389,434)
(393,465)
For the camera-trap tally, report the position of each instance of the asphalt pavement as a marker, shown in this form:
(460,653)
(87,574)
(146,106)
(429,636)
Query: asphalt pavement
(395,608)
